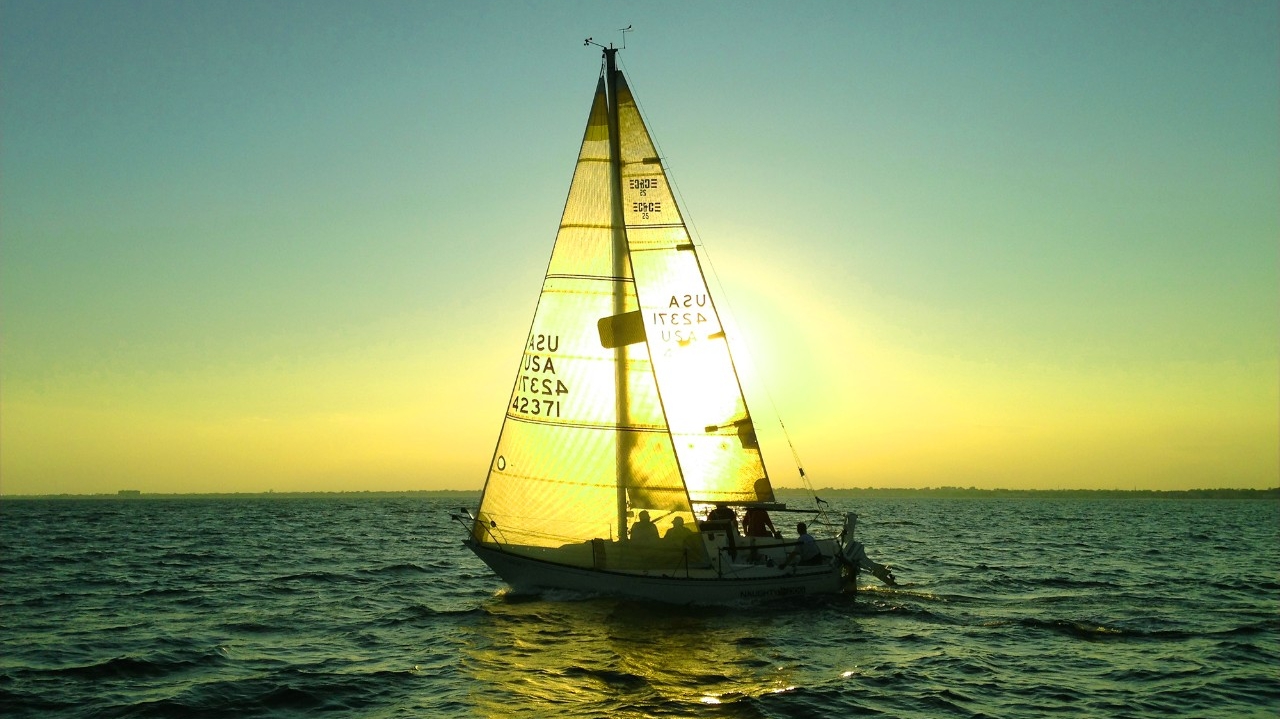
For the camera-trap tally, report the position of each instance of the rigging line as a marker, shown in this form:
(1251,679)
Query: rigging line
(686,214)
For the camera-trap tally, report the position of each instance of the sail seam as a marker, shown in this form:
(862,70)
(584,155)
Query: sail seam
(662,226)
(607,278)
(585,425)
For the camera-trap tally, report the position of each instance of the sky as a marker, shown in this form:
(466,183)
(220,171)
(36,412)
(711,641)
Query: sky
(295,246)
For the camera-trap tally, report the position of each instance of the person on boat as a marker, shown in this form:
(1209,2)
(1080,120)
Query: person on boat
(678,531)
(644,530)
(680,535)
(723,518)
(756,523)
(806,548)
(722,513)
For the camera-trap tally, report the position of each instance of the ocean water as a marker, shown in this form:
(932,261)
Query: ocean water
(365,606)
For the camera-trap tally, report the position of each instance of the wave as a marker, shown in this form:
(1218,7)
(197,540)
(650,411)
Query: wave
(155,665)
(907,590)
(230,699)
(121,667)
(404,568)
(324,577)
(1070,583)
(1075,628)
(616,679)
(420,613)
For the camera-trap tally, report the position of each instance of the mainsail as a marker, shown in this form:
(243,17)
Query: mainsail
(626,399)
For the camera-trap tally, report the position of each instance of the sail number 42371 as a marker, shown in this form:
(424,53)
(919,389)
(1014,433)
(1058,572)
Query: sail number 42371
(536,407)
(543,406)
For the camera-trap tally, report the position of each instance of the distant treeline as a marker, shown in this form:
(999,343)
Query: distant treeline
(784,493)
(1273,494)
(135,494)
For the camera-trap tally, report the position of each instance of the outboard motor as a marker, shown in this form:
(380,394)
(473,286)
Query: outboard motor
(855,555)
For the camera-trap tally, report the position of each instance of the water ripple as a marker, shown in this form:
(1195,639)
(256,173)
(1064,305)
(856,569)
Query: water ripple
(291,607)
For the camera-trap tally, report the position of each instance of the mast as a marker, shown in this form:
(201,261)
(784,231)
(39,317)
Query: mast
(619,256)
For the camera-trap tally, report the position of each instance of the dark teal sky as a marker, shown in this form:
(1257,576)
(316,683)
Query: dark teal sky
(296,245)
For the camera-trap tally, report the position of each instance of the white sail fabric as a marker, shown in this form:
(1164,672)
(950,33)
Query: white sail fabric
(584,446)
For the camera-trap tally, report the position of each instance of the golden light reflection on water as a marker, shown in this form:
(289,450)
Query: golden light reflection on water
(606,658)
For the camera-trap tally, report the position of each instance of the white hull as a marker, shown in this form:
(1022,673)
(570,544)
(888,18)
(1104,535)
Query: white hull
(730,584)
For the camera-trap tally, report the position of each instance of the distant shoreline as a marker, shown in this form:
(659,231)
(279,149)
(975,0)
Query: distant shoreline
(783,492)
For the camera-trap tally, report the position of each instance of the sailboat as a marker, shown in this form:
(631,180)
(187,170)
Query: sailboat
(627,424)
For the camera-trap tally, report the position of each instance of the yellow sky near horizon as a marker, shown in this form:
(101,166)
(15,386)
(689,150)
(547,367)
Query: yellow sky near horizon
(886,415)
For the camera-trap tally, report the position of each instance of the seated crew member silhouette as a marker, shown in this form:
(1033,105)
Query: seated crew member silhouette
(678,531)
(681,536)
(644,530)
(807,548)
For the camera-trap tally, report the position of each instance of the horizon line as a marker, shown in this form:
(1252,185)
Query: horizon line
(134,494)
